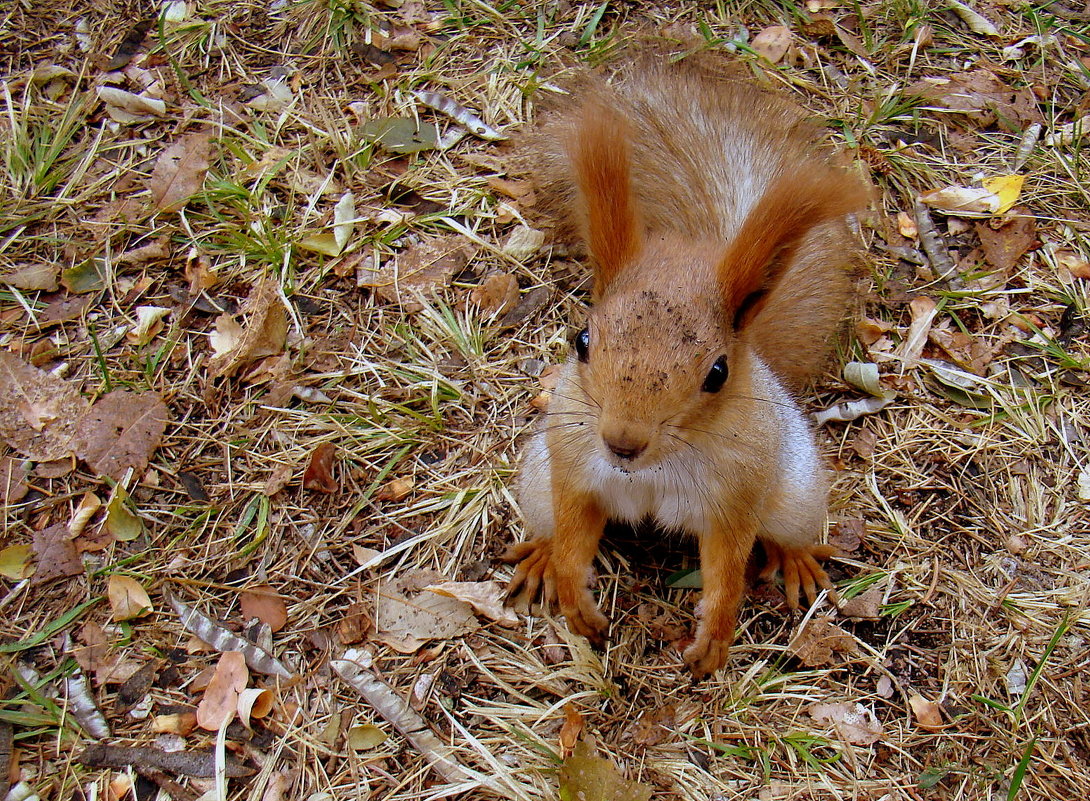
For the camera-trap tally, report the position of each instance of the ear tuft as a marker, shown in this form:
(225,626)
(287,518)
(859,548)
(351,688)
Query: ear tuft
(600,151)
(790,208)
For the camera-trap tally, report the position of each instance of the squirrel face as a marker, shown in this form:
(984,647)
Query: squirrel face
(656,356)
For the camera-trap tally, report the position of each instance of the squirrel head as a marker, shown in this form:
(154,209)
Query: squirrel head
(662,349)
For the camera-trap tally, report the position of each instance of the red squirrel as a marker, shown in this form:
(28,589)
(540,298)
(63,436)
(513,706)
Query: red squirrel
(716,230)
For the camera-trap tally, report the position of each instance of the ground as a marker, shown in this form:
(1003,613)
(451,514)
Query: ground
(217,398)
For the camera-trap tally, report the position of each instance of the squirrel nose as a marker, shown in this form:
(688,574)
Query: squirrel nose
(625,447)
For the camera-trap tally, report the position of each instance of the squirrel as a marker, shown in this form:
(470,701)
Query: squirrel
(717,231)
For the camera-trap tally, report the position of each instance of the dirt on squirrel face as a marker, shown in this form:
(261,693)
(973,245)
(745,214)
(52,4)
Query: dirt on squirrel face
(205,220)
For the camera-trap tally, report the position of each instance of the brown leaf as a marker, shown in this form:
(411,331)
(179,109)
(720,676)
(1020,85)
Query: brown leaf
(418,268)
(264,603)
(57,556)
(819,642)
(128,600)
(263,333)
(928,714)
(405,622)
(135,687)
(855,723)
(220,701)
(39,413)
(354,625)
(865,606)
(319,473)
(1005,245)
(121,431)
(572,729)
(32,277)
(180,170)
(653,726)
(772,43)
(848,535)
(496,294)
(982,98)
(13,478)
(396,489)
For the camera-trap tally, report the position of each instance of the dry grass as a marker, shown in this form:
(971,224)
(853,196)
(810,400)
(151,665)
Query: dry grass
(975,533)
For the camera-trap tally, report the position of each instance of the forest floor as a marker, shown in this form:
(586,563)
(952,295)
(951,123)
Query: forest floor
(271,327)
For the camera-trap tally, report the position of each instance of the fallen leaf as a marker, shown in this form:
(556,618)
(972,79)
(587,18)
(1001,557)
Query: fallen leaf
(180,170)
(199,273)
(1074,263)
(524,243)
(418,268)
(156,250)
(406,621)
(496,294)
(397,489)
(572,729)
(772,43)
(653,726)
(366,737)
(928,714)
(401,135)
(15,562)
(486,598)
(848,535)
(120,521)
(14,472)
(264,603)
(135,688)
(1005,245)
(1007,188)
(220,701)
(32,277)
(57,555)
(149,322)
(318,476)
(964,200)
(354,625)
(982,98)
(977,23)
(264,333)
(84,277)
(865,606)
(180,723)
(586,777)
(128,599)
(855,723)
(906,225)
(819,643)
(923,310)
(254,703)
(121,432)
(39,413)
(128,108)
(1083,484)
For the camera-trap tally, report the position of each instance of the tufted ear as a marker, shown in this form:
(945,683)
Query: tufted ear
(790,208)
(601,153)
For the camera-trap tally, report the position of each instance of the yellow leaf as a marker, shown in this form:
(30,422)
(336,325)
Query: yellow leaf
(1007,188)
(128,599)
(365,737)
(120,521)
(322,243)
(15,562)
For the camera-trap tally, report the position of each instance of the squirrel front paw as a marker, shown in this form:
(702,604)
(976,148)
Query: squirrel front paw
(538,575)
(800,568)
(706,655)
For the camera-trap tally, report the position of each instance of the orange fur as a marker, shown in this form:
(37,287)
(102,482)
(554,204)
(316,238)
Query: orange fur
(600,154)
(716,231)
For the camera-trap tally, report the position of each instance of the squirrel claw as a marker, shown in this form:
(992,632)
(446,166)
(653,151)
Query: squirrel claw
(800,569)
(536,576)
(705,656)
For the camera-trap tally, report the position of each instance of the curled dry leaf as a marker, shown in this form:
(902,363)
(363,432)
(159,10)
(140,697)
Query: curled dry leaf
(855,723)
(846,411)
(82,706)
(121,432)
(497,294)
(220,701)
(266,604)
(263,334)
(180,170)
(149,322)
(572,729)
(928,714)
(524,243)
(319,473)
(128,107)
(397,489)
(39,412)
(486,598)
(865,606)
(128,600)
(120,522)
(254,703)
(923,310)
(977,22)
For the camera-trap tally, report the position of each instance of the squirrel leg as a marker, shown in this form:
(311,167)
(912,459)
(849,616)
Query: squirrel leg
(561,567)
(800,569)
(723,557)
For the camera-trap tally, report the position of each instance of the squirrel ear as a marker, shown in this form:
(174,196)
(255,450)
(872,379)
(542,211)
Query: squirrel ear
(789,209)
(600,151)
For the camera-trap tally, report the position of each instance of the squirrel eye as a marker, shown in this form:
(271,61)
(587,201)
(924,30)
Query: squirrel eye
(582,344)
(716,376)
